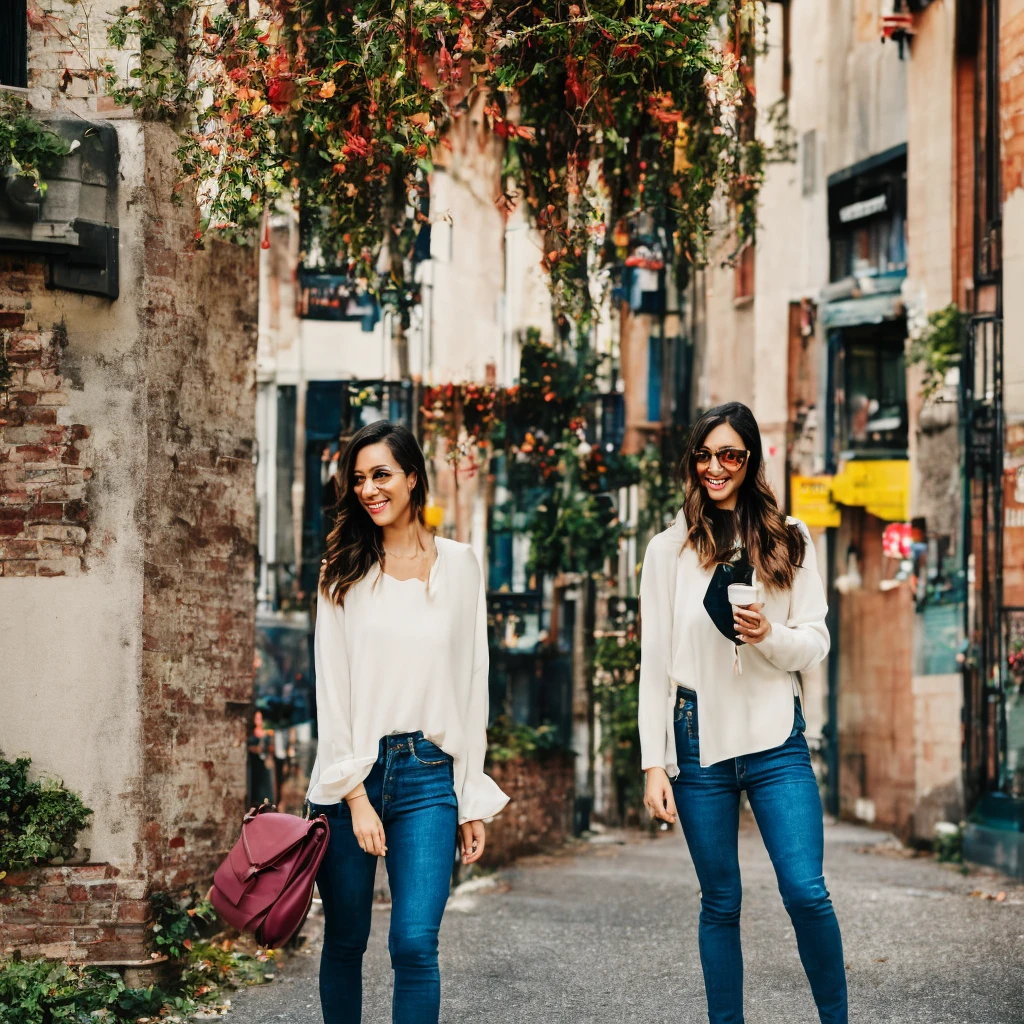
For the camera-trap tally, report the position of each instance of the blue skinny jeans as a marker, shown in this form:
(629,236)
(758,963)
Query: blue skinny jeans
(411,789)
(783,795)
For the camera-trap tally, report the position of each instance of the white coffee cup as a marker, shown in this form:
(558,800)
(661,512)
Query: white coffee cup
(742,594)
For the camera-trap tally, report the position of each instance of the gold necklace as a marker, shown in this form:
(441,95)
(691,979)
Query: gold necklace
(392,554)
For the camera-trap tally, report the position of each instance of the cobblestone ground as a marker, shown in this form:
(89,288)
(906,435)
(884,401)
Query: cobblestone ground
(607,932)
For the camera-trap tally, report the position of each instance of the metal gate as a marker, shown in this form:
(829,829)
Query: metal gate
(985,675)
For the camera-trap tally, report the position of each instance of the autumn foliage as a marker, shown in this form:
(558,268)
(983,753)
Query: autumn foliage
(608,110)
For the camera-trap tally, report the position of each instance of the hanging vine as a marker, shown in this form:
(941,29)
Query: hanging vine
(610,110)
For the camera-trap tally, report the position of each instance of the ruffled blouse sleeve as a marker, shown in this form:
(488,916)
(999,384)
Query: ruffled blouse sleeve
(337,770)
(657,589)
(480,797)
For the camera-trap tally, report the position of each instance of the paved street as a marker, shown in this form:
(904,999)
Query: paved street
(609,935)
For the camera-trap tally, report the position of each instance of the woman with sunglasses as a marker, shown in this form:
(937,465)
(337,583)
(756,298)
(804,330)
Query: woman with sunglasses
(401,685)
(720,704)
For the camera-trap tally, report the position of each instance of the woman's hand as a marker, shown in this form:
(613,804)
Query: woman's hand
(471,841)
(751,625)
(366,826)
(658,798)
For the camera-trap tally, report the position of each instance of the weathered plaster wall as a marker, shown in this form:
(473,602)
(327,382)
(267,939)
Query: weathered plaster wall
(72,645)
(867,82)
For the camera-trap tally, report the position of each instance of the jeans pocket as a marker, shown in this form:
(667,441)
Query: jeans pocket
(428,754)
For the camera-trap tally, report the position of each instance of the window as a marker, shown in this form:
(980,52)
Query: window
(867,216)
(743,274)
(872,401)
(14,43)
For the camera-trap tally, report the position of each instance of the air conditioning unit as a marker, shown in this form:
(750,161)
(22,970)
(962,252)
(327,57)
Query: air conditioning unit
(74,223)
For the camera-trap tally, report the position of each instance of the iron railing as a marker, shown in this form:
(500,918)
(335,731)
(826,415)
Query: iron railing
(985,666)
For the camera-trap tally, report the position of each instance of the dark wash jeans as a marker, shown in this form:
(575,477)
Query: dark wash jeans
(411,789)
(783,795)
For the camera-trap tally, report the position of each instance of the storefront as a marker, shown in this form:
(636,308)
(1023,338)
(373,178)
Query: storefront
(864,494)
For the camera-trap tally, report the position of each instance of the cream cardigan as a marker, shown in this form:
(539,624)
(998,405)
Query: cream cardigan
(405,656)
(740,713)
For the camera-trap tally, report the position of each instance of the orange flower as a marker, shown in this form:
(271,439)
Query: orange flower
(327,90)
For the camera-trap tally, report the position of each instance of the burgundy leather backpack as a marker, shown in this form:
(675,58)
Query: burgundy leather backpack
(265,885)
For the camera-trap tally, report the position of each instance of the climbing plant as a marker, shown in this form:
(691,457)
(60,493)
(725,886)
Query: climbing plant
(617,695)
(936,348)
(609,110)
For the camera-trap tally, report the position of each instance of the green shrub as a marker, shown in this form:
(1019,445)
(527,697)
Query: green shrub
(948,843)
(38,820)
(175,918)
(937,349)
(48,992)
(29,146)
(507,740)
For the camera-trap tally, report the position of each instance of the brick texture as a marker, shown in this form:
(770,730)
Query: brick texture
(876,700)
(1011,96)
(192,503)
(199,320)
(83,913)
(44,455)
(539,813)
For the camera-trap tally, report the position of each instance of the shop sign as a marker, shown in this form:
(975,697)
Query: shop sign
(881,487)
(810,500)
(865,208)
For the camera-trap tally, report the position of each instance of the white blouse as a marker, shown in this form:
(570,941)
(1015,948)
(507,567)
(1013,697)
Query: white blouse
(743,709)
(405,656)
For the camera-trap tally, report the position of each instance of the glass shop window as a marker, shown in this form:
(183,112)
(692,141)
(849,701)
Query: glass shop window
(873,415)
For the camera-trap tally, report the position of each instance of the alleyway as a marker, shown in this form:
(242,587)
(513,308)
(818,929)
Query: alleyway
(611,936)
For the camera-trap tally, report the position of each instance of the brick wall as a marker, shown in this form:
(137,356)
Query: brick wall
(539,812)
(1011,93)
(83,913)
(200,530)
(44,455)
(143,650)
(876,699)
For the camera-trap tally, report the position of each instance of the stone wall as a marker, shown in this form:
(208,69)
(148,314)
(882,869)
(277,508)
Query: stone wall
(539,813)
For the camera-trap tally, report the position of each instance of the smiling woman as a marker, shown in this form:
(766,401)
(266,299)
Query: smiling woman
(401,686)
(713,724)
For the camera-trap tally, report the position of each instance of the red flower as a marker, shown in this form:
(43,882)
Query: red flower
(280,93)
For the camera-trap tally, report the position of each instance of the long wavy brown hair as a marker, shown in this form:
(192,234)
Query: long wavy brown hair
(356,543)
(773,547)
